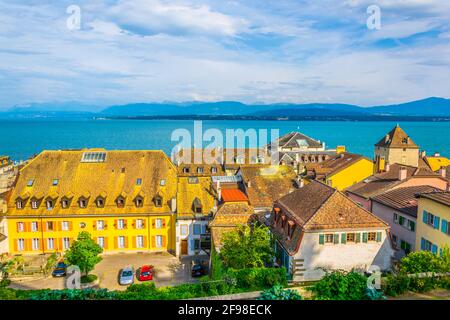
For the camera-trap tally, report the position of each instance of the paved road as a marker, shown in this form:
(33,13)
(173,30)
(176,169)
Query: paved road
(169,270)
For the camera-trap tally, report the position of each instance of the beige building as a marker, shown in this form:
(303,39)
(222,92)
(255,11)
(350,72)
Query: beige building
(396,147)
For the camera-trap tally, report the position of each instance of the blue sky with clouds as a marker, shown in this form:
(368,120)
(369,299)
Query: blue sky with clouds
(209,50)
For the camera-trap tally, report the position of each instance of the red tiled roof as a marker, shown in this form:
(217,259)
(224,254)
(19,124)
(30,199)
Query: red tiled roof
(233,195)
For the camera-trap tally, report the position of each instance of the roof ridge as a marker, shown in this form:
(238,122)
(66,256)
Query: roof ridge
(321,206)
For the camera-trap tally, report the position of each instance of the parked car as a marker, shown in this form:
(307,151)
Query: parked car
(198,269)
(145,273)
(60,270)
(126,276)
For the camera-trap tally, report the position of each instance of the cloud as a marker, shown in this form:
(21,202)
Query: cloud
(149,17)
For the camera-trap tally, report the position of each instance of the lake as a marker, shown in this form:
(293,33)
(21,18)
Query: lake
(21,139)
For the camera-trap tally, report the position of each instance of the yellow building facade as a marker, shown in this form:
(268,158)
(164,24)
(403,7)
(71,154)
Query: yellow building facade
(126,200)
(433,222)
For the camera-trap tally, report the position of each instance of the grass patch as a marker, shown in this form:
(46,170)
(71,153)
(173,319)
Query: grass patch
(89,278)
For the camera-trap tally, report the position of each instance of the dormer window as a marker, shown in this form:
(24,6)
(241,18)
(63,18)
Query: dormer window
(138,181)
(64,203)
(197,206)
(139,202)
(200,170)
(19,204)
(214,170)
(405,140)
(55,182)
(34,204)
(158,201)
(186,170)
(49,204)
(30,183)
(82,203)
(120,202)
(100,202)
(162,182)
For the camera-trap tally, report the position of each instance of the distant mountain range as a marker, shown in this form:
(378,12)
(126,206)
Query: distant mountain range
(430,107)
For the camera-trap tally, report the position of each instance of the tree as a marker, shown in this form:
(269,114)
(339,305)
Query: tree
(247,247)
(84,253)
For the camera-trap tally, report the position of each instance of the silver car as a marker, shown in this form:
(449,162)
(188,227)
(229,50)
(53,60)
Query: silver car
(126,276)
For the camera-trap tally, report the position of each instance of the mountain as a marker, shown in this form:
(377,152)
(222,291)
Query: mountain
(430,107)
(426,107)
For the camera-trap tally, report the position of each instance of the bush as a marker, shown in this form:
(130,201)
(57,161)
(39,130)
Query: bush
(259,278)
(396,284)
(218,270)
(88,279)
(340,285)
(278,293)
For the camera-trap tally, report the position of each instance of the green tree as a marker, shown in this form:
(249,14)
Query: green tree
(247,247)
(425,261)
(340,285)
(84,253)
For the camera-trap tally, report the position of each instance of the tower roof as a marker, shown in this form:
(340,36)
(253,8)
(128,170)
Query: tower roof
(397,138)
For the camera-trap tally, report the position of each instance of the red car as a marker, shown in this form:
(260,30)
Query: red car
(146,273)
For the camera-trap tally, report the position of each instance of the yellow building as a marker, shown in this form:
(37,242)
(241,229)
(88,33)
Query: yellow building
(433,221)
(341,171)
(125,199)
(437,162)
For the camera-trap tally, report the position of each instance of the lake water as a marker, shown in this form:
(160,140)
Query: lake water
(24,138)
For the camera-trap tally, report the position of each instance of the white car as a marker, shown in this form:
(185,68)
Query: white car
(126,276)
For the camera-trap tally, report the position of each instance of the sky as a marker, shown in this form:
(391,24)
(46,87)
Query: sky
(253,51)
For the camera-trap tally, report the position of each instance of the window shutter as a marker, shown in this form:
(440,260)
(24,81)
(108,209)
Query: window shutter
(164,241)
(422,244)
(343,238)
(116,242)
(204,229)
(153,241)
(16,247)
(126,242)
(94,224)
(444,226)
(321,239)
(61,247)
(70,226)
(436,222)
(26,226)
(17,226)
(153,223)
(425,217)
(365,237)
(336,238)
(105,243)
(192,247)
(27,244)
(378,236)
(144,242)
(135,241)
(358,237)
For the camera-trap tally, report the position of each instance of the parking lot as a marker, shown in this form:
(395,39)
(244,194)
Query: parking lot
(168,270)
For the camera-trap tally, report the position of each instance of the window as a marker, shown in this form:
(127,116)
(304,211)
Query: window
(329,238)
(49,204)
(55,182)
(394,239)
(120,224)
(139,202)
(100,225)
(395,217)
(82,225)
(405,246)
(431,220)
(34,204)
(101,242)
(427,245)
(65,203)
(139,224)
(51,243)
(445,227)
(350,237)
(19,204)
(195,244)
(120,202)
(139,242)
(193,180)
(158,223)
(183,230)
(411,225)
(82,203)
(121,242)
(94,157)
(34,226)
(49,225)
(100,202)
(66,243)
(200,170)
(372,236)
(401,220)
(158,201)
(35,244)
(197,229)
(20,244)
(138,181)
(20,227)
(214,170)
(162,182)
(30,183)
(159,241)
(186,170)
(65,225)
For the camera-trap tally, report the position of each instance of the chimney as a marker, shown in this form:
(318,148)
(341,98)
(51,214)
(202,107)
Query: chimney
(402,174)
(301,183)
(173,204)
(386,138)
(387,167)
(437,154)
(249,184)
(423,154)
(443,172)
(219,191)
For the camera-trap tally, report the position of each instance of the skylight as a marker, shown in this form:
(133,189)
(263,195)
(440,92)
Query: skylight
(94,157)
